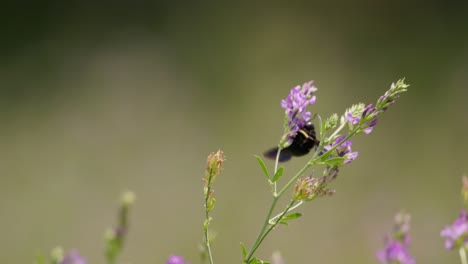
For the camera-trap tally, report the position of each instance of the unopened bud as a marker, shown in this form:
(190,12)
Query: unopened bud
(304,188)
(214,166)
(128,198)
(331,122)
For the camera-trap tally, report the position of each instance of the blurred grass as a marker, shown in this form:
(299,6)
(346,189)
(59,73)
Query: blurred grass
(100,98)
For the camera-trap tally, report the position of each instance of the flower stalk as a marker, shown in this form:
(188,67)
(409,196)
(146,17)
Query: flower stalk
(116,236)
(462,253)
(213,169)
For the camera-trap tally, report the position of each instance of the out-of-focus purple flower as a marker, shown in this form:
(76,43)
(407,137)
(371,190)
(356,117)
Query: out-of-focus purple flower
(395,252)
(295,107)
(73,257)
(456,234)
(396,245)
(344,150)
(173,259)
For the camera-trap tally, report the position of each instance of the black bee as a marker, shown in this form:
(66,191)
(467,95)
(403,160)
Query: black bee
(302,143)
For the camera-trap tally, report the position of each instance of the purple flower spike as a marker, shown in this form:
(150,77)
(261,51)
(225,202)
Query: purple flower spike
(173,259)
(295,107)
(73,257)
(395,252)
(456,234)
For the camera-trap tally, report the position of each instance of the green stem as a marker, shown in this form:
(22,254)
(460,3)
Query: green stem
(338,130)
(462,255)
(289,210)
(276,167)
(207,217)
(262,230)
(264,234)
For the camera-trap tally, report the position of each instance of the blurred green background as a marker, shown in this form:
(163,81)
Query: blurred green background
(97,98)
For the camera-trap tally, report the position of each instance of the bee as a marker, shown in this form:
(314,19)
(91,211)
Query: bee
(303,142)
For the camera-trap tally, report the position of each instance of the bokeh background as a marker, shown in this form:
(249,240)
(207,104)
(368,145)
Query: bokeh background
(98,98)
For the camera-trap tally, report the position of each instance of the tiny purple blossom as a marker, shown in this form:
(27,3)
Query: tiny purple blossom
(369,113)
(295,107)
(344,150)
(352,119)
(395,251)
(456,234)
(173,259)
(73,257)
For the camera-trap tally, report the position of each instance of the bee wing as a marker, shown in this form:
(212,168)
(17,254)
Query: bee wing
(285,154)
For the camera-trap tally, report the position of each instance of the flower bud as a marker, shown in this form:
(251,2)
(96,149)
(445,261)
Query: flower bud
(304,188)
(331,122)
(214,166)
(128,198)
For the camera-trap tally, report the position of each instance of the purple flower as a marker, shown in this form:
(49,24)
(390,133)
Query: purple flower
(395,251)
(173,259)
(370,115)
(352,119)
(365,116)
(73,257)
(456,234)
(396,246)
(344,150)
(295,107)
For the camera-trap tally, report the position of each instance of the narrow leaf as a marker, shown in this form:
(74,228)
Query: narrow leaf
(244,251)
(264,168)
(291,216)
(334,161)
(278,174)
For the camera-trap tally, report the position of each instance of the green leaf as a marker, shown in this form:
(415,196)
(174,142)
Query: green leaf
(291,216)
(264,168)
(324,157)
(244,251)
(278,174)
(285,219)
(334,161)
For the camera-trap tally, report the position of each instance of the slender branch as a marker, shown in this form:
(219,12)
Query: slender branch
(272,226)
(276,167)
(289,210)
(262,230)
(207,217)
